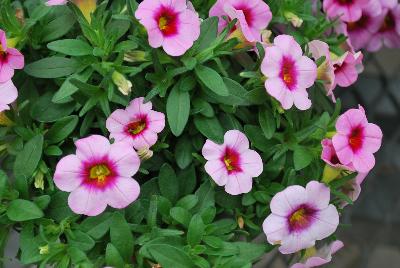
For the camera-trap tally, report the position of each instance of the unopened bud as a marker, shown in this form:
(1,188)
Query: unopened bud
(135,56)
(39,181)
(87,7)
(240,222)
(293,18)
(44,250)
(5,121)
(242,39)
(265,36)
(123,84)
(145,154)
(330,173)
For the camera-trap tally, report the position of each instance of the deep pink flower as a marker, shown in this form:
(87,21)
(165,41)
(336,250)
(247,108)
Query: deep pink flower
(56,2)
(357,140)
(330,157)
(346,10)
(10,59)
(8,94)
(170,24)
(347,67)
(320,257)
(137,125)
(300,216)
(232,164)
(253,16)
(288,73)
(98,174)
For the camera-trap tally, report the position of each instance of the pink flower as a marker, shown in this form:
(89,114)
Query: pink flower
(137,125)
(288,73)
(56,2)
(319,257)
(357,140)
(98,174)
(232,164)
(347,67)
(347,10)
(170,24)
(8,94)
(10,59)
(330,157)
(300,216)
(253,16)
(353,188)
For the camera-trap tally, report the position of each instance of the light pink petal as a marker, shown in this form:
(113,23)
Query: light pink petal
(87,201)
(212,151)
(15,58)
(275,228)
(361,177)
(318,195)
(251,163)
(3,39)
(145,140)
(177,45)
(342,148)
(123,192)
(324,255)
(156,121)
(94,146)
(125,159)
(319,49)
(301,100)
(138,107)
(236,140)
(373,138)
(288,46)
(6,72)
(69,173)
(364,162)
(8,92)
(296,242)
(217,171)
(307,72)
(238,183)
(190,24)
(117,121)
(271,64)
(277,89)
(350,119)
(156,38)
(56,2)
(325,223)
(286,201)
(122,137)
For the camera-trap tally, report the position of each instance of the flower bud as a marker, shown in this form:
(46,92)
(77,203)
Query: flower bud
(293,18)
(123,84)
(87,7)
(145,154)
(330,173)
(240,222)
(135,56)
(44,250)
(5,121)
(39,181)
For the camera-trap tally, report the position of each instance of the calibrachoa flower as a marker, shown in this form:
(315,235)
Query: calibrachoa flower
(300,216)
(10,59)
(347,67)
(253,16)
(330,157)
(352,188)
(288,73)
(8,94)
(137,125)
(317,257)
(346,10)
(98,174)
(232,164)
(357,140)
(170,24)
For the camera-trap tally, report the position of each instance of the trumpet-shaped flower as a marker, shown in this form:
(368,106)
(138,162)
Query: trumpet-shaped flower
(137,125)
(253,16)
(317,257)
(330,157)
(99,174)
(346,10)
(357,140)
(347,67)
(174,25)
(10,59)
(300,216)
(232,164)
(288,73)
(8,94)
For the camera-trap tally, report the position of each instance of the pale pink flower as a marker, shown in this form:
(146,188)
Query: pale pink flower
(347,67)
(99,174)
(346,10)
(300,216)
(174,25)
(253,16)
(357,140)
(137,125)
(232,164)
(8,94)
(288,73)
(10,59)
(320,256)
(56,2)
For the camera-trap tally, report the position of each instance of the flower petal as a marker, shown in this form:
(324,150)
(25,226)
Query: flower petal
(87,201)
(236,140)
(123,192)
(94,146)
(125,159)
(69,173)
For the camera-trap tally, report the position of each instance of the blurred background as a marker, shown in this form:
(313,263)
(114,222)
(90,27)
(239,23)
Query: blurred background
(372,237)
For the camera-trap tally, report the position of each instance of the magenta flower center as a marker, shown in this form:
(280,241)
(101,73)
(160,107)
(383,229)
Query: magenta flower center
(167,20)
(345,2)
(3,53)
(301,218)
(248,14)
(136,127)
(356,138)
(231,160)
(288,72)
(99,174)
(360,24)
(389,23)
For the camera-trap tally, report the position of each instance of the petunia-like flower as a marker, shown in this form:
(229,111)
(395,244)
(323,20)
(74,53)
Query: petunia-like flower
(352,188)
(300,216)
(330,157)
(8,94)
(99,174)
(174,25)
(347,67)
(10,59)
(232,164)
(288,73)
(253,16)
(137,125)
(317,257)
(357,140)
(346,10)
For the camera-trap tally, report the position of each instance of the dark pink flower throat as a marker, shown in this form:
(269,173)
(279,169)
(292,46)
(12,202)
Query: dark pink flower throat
(288,73)
(167,20)
(231,160)
(301,218)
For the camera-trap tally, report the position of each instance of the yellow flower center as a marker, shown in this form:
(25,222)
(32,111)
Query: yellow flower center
(228,163)
(298,217)
(99,172)
(163,23)
(137,127)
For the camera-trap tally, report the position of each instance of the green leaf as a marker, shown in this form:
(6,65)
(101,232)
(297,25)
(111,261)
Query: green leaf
(183,152)
(61,129)
(212,80)
(80,240)
(3,183)
(178,109)
(302,158)
(121,236)
(167,183)
(210,128)
(67,89)
(206,197)
(267,123)
(208,33)
(52,67)
(203,107)
(170,256)
(23,210)
(71,47)
(97,226)
(188,202)
(58,27)
(113,258)
(181,215)
(44,110)
(28,159)
(195,230)
(187,180)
